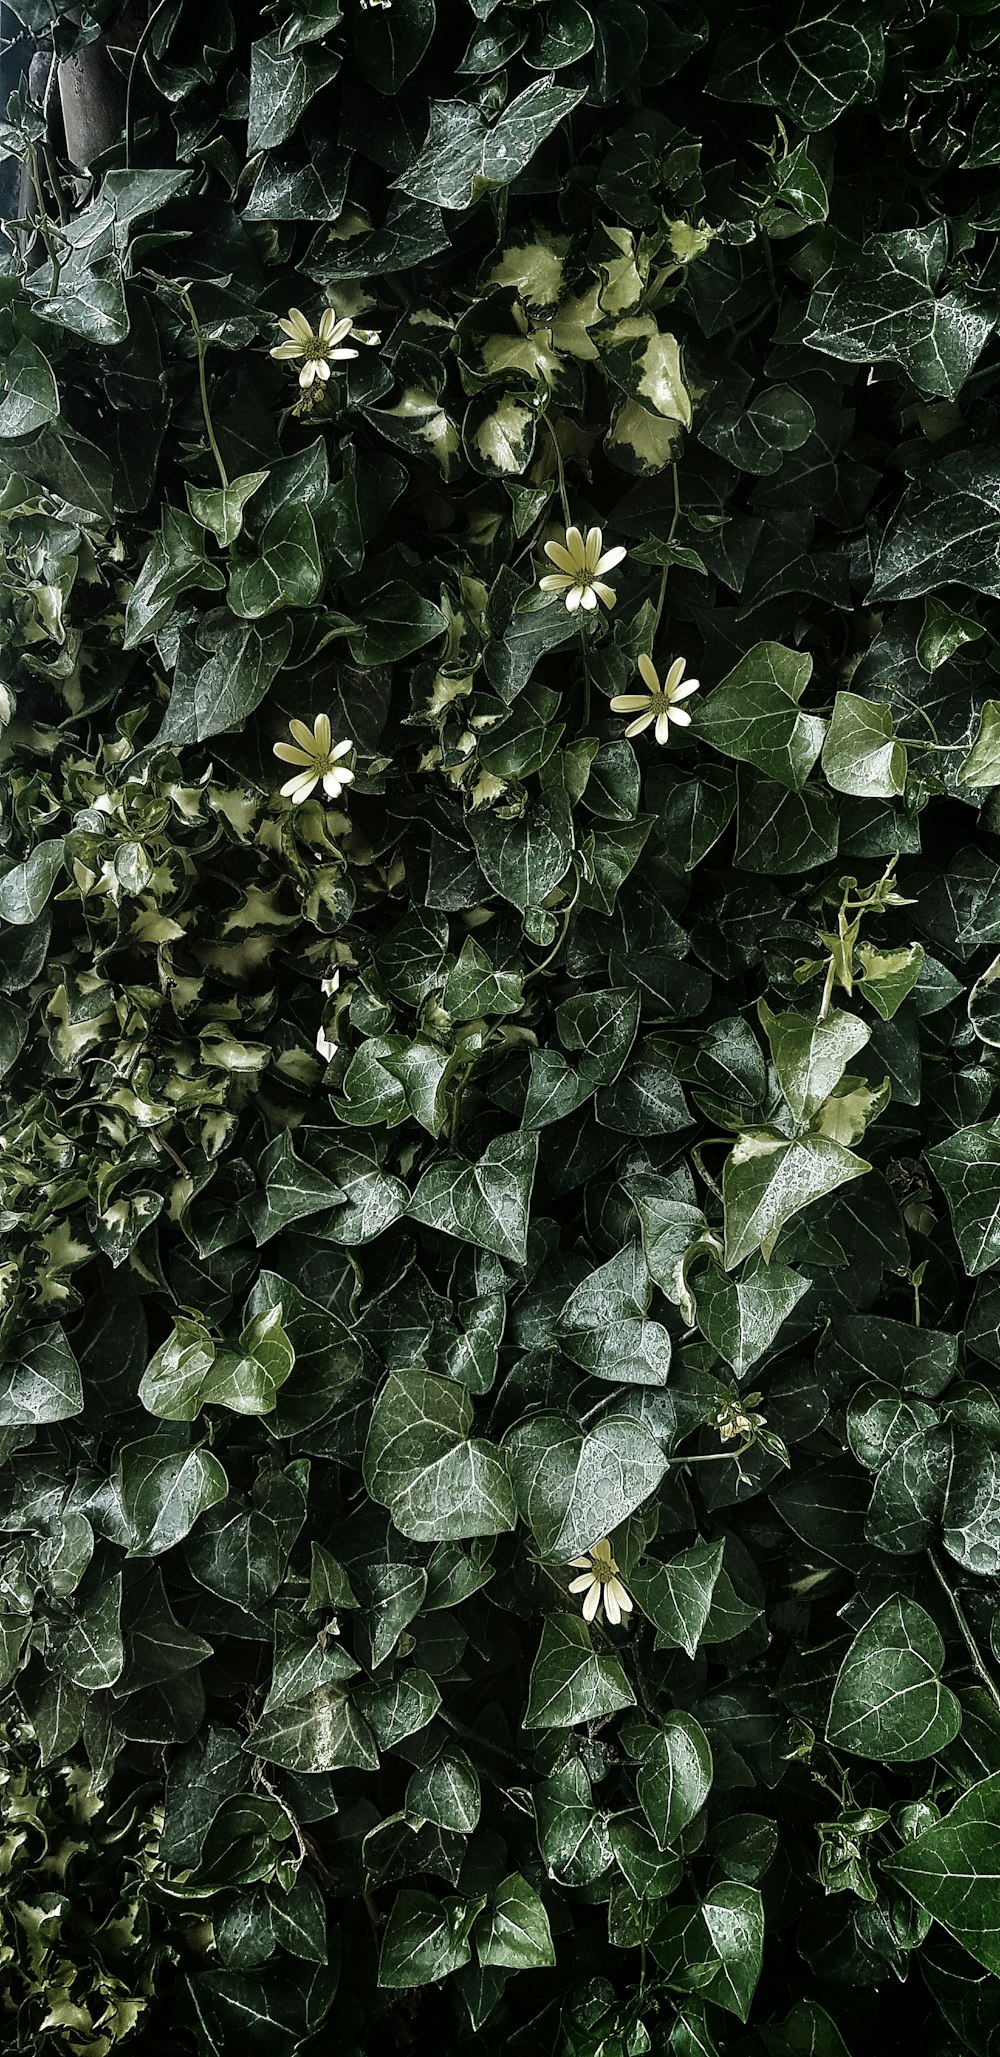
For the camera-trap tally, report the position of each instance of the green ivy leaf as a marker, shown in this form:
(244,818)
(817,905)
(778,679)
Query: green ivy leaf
(677,1596)
(674,1777)
(513,1932)
(950,1869)
(288,572)
(283,80)
(742,1317)
(425,1939)
(754,715)
(768,1180)
(811,1057)
(717,1946)
(32,397)
(861,755)
(422,1465)
(484,1203)
(25,888)
(573,1485)
(42,1383)
(982,765)
(967,1165)
(883,305)
(164,1488)
(946,528)
(888,1700)
(570,1681)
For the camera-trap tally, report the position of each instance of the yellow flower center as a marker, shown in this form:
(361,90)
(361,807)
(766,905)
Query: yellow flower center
(604,1570)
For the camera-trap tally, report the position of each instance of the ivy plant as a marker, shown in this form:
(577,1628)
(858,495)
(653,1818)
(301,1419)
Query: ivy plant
(499,984)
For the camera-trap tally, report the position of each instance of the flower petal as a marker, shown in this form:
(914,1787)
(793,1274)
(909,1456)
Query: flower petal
(674,677)
(304,735)
(341,750)
(323,734)
(623,1598)
(605,593)
(321,368)
(289,754)
(556,581)
(611,558)
(592,548)
(298,789)
(649,672)
(602,1549)
(340,356)
(287,350)
(685,690)
(635,728)
(592,1601)
(681,716)
(308,373)
(576,546)
(558,554)
(629,703)
(611,1607)
(583,1563)
(588,598)
(663,727)
(574,597)
(581,1585)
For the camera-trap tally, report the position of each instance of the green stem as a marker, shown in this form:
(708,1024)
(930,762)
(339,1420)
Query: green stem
(44,224)
(472,1735)
(51,164)
(924,716)
(715,1456)
(697,1153)
(677,504)
(586,676)
(965,1631)
(564,917)
(661,595)
(461,1081)
(201,347)
(137,56)
(918,743)
(769,264)
(831,974)
(561,471)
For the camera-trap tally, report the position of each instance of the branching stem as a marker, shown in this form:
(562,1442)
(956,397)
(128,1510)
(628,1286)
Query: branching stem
(978,1662)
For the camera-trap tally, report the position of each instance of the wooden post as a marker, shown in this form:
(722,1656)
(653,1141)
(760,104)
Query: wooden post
(92,88)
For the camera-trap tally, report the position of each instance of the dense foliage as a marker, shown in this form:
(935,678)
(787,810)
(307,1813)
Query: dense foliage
(569,1115)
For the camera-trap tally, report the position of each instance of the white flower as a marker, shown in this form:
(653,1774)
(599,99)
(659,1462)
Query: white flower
(318,760)
(659,702)
(581,560)
(319,347)
(600,1583)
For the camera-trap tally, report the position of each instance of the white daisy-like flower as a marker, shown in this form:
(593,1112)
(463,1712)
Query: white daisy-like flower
(659,703)
(600,1584)
(321,347)
(582,560)
(319,759)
